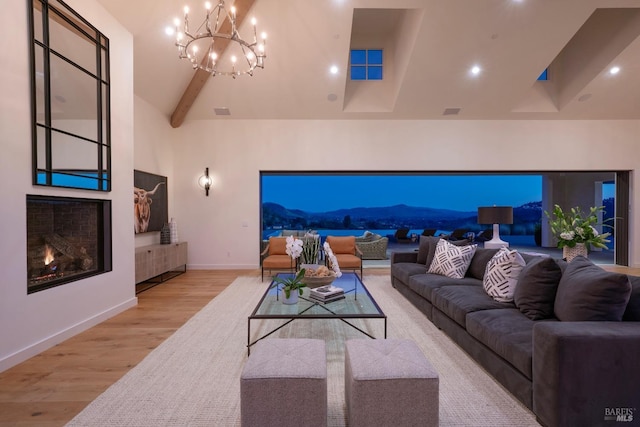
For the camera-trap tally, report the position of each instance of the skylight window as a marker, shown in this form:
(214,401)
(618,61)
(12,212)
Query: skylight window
(544,76)
(366,64)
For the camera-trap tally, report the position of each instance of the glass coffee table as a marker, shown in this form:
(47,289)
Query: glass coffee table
(357,304)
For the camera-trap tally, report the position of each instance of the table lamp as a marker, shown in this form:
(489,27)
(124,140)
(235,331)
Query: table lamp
(495,215)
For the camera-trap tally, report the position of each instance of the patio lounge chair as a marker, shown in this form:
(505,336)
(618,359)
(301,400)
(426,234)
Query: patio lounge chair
(484,235)
(402,235)
(429,232)
(457,234)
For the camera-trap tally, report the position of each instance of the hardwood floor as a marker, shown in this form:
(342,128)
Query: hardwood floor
(52,387)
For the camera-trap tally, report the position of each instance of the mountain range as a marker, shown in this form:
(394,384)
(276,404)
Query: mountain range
(401,215)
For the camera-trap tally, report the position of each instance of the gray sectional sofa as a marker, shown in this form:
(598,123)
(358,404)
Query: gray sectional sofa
(568,347)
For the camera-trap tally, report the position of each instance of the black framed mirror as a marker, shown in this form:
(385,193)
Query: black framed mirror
(70,93)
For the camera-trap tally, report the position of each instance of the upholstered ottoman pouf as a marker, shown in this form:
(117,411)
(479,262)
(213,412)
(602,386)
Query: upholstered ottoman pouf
(284,383)
(389,382)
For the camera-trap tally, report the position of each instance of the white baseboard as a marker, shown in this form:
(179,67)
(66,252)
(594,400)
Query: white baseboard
(222,267)
(40,346)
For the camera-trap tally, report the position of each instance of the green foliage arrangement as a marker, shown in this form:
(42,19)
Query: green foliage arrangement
(573,227)
(290,284)
(310,249)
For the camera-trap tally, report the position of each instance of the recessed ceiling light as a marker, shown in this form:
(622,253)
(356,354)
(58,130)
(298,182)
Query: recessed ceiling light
(614,70)
(475,70)
(333,69)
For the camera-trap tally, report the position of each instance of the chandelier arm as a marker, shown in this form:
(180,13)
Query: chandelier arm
(249,63)
(215,30)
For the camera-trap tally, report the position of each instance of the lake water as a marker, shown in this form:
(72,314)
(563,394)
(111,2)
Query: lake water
(518,240)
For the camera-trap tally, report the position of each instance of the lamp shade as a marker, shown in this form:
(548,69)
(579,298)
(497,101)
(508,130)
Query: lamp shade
(495,215)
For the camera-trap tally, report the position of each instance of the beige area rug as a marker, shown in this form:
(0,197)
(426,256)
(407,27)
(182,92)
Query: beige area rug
(193,378)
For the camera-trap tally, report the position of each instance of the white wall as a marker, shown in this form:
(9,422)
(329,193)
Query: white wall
(223,230)
(32,323)
(153,153)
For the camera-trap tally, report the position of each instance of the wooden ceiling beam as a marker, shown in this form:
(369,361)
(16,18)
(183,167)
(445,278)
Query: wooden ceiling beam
(200,77)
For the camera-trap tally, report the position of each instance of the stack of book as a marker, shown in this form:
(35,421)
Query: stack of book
(325,294)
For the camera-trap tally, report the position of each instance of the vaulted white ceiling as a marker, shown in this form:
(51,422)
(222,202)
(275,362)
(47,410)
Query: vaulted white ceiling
(429,47)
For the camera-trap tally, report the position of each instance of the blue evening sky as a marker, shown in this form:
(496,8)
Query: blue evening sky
(320,193)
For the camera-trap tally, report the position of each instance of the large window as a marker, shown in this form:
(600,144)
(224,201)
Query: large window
(352,203)
(70,99)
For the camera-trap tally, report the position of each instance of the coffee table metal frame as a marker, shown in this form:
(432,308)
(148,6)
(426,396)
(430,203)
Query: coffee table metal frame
(310,309)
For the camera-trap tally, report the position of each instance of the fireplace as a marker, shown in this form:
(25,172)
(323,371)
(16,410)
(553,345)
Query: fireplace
(68,239)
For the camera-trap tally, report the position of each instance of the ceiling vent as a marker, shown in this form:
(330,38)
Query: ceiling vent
(222,111)
(451,111)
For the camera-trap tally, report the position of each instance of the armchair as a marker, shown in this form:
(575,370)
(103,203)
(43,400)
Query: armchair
(274,256)
(347,252)
(373,246)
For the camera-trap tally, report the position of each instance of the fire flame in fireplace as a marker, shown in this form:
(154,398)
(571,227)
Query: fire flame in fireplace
(48,255)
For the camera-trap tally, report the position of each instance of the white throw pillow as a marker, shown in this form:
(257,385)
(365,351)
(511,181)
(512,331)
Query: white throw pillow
(451,260)
(501,274)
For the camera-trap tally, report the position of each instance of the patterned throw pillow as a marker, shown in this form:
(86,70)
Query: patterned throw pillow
(451,260)
(501,275)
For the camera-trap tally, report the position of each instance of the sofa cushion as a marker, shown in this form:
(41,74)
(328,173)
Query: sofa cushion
(404,270)
(587,292)
(532,256)
(632,312)
(424,284)
(508,333)
(501,276)
(427,248)
(479,262)
(451,260)
(423,249)
(460,300)
(537,286)
(432,242)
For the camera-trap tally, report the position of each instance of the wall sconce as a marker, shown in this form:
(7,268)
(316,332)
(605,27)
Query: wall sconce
(495,215)
(205,181)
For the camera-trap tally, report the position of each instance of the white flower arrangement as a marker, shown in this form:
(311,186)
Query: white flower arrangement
(574,226)
(294,247)
(333,261)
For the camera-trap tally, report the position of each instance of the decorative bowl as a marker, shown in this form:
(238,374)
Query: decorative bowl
(316,282)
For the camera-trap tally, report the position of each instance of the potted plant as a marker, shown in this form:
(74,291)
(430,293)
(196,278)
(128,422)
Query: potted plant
(576,232)
(290,287)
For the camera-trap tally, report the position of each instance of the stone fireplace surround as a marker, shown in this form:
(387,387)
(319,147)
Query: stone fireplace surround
(68,239)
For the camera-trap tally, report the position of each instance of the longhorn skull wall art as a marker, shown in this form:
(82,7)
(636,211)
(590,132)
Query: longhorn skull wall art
(150,210)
